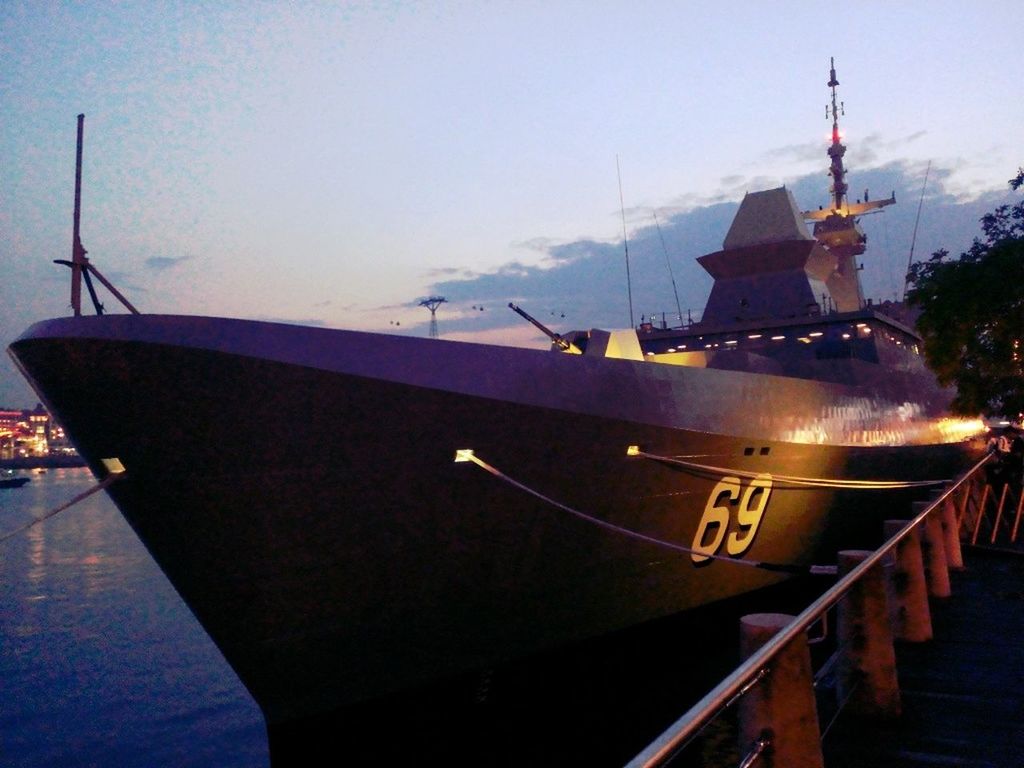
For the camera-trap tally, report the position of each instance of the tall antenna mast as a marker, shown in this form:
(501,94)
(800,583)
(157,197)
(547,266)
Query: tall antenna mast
(432,303)
(625,243)
(78,260)
(836,150)
(81,267)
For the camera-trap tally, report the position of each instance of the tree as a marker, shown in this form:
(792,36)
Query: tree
(972,314)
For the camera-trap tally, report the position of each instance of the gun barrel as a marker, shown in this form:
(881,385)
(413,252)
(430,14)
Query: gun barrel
(557,340)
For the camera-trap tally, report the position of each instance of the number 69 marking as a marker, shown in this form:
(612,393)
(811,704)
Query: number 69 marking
(715,519)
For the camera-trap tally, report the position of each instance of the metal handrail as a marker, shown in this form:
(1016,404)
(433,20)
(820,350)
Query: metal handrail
(665,746)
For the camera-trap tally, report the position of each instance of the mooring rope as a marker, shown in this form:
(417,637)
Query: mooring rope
(467,454)
(812,482)
(66,505)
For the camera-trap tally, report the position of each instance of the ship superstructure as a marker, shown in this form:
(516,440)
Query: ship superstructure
(789,303)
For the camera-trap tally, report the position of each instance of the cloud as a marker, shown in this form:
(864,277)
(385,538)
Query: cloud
(585,279)
(583,284)
(515,334)
(541,244)
(438,273)
(810,151)
(163,263)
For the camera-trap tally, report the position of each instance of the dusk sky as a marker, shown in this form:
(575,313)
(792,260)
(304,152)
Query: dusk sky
(333,163)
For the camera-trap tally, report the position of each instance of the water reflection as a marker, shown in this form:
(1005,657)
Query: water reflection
(101,662)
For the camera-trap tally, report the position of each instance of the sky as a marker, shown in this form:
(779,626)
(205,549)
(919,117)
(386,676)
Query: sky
(335,163)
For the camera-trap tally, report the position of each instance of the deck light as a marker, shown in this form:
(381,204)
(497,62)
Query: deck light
(113,466)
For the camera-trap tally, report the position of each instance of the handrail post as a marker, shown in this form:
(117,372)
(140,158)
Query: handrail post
(1016,522)
(980,512)
(910,613)
(782,703)
(867,668)
(999,514)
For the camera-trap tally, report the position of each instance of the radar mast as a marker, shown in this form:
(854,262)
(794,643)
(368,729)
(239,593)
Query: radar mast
(836,149)
(836,227)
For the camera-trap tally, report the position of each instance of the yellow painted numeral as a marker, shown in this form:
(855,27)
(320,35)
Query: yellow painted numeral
(750,518)
(715,520)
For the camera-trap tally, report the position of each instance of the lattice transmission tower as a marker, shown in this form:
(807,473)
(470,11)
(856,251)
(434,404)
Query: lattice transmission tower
(432,303)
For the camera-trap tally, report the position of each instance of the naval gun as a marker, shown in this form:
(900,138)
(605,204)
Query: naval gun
(556,338)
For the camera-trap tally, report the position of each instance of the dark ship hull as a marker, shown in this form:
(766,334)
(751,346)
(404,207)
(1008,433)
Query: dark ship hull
(298,487)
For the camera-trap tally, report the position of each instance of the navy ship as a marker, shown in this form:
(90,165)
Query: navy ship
(351,515)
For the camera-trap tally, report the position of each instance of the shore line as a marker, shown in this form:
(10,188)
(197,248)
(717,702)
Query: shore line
(42,462)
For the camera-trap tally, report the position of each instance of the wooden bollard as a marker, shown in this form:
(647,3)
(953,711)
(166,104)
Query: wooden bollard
(781,703)
(951,535)
(867,659)
(933,547)
(911,617)
(950,529)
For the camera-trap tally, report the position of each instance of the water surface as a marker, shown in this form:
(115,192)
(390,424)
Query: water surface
(101,663)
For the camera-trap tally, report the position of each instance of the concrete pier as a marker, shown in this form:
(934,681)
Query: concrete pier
(909,610)
(962,693)
(867,678)
(782,705)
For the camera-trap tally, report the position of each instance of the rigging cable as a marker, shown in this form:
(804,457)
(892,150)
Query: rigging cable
(625,243)
(84,495)
(812,482)
(668,263)
(913,239)
(466,454)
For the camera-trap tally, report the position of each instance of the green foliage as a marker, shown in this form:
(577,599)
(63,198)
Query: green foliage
(972,314)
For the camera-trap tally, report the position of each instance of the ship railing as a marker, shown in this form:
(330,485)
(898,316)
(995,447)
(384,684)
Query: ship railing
(669,321)
(764,681)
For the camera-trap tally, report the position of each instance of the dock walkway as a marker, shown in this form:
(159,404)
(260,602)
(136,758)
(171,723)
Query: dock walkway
(962,692)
